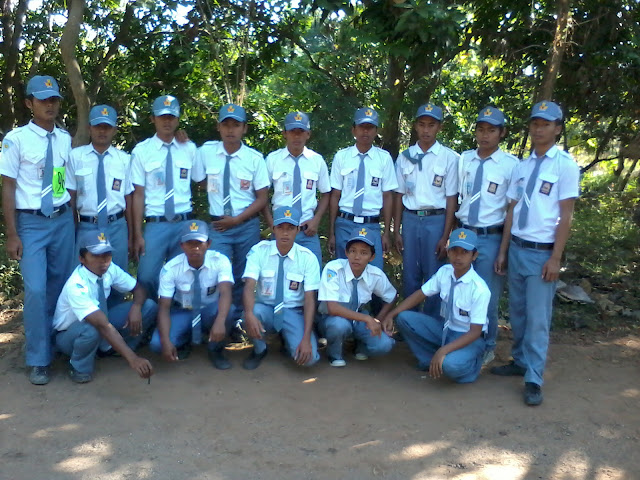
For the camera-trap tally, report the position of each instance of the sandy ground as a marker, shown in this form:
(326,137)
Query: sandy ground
(374,419)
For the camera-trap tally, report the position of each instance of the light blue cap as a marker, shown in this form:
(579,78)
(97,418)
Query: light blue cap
(366,115)
(547,111)
(95,241)
(361,234)
(492,116)
(195,230)
(286,215)
(43,87)
(166,105)
(103,114)
(429,110)
(234,111)
(297,120)
(464,238)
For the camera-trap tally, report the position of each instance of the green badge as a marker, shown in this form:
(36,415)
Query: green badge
(58,181)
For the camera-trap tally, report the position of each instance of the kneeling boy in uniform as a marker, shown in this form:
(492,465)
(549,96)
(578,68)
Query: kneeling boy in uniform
(346,285)
(457,350)
(82,318)
(198,282)
(284,276)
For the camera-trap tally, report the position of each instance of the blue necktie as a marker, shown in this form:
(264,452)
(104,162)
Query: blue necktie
(358,196)
(354,302)
(297,186)
(278,309)
(474,203)
(524,211)
(196,319)
(417,160)
(102,193)
(101,298)
(226,188)
(46,195)
(449,315)
(169,204)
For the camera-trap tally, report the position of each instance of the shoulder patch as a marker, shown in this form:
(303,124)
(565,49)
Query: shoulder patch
(6,144)
(331,274)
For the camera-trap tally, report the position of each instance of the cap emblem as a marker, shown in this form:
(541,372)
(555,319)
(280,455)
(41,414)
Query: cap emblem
(488,112)
(287,213)
(102,237)
(298,117)
(104,111)
(48,83)
(193,227)
(428,107)
(368,113)
(462,235)
(230,109)
(543,106)
(167,102)
(363,232)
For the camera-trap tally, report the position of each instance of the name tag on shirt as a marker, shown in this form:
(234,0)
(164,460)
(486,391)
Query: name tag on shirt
(437,181)
(545,188)
(211,290)
(375,181)
(294,285)
(492,188)
(116,185)
(184,173)
(245,184)
(309,184)
(463,313)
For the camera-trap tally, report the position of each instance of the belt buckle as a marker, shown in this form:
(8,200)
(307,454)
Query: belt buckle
(357,219)
(422,213)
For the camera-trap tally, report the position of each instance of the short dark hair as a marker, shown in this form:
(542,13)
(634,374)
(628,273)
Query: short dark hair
(83,252)
(351,242)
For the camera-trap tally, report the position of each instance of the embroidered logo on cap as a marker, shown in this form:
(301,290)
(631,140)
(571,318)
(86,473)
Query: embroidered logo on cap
(368,113)
(167,102)
(287,213)
(488,112)
(298,117)
(462,235)
(543,106)
(104,111)
(363,232)
(230,109)
(193,227)
(428,107)
(102,237)
(48,83)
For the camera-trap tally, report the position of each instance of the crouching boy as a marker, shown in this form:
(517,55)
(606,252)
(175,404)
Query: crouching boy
(345,287)
(82,319)
(455,351)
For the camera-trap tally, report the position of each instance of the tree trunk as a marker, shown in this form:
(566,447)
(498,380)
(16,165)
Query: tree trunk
(11,87)
(68,43)
(559,46)
(392,102)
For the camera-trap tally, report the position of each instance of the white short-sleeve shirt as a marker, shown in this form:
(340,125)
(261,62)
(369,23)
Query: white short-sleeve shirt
(470,298)
(176,279)
(314,176)
(82,176)
(148,165)
(496,176)
(379,177)
(427,188)
(558,179)
(80,297)
(247,173)
(301,271)
(336,286)
(24,150)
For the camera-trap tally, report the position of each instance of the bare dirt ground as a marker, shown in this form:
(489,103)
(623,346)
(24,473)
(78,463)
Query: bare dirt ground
(374,419)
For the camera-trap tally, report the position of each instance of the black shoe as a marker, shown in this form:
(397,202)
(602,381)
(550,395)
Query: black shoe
(184,352)
(39,375)
(78,377)
(509,370)
(532,394)
(218,359)
(108,353)
(253,361)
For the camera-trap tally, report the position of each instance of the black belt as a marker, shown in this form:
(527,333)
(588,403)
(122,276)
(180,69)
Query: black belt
(110,218)
(179,217)
(56,211)
(428,212)
(215,218)
(359,218)
(484,230)
(527,244)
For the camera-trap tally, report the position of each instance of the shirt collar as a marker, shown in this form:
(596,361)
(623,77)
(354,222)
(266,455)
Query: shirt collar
(186,266)
(495,156)
(291,254)
(159,143)
(466,278)
(286,153)
(88,274)
(348,273)
(237,153)
(92,151)
(551,153)
(355,152)
(41,131)
(435,148)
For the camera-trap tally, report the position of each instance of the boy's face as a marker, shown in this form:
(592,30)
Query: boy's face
(461,259)
(365,133)
(44,111)
(102,134)
(543,132)
(285,234)
(231,130)
(359,255)
(427,129)
(166,125)
(488,136)
(296,138)
(97,264)
(195,251)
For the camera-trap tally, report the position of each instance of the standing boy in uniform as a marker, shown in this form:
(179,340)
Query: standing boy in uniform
(39,221)
(296,173)
(362,181)
(82,321)
(455,351)
(237,186)
(484,176)
(195,299)
(98,179)
(425,203)
(281,279)
(543,191)
(161,173)
(345,287)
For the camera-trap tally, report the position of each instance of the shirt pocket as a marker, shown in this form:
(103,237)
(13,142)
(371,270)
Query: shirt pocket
(376,179)
(213,179)
(439,173)
(184,294)
(155,173)
(547,184)
(294,281)
(267,283)
(34,165)
(495,184)
(84,180)
(244,179)
(184,169)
